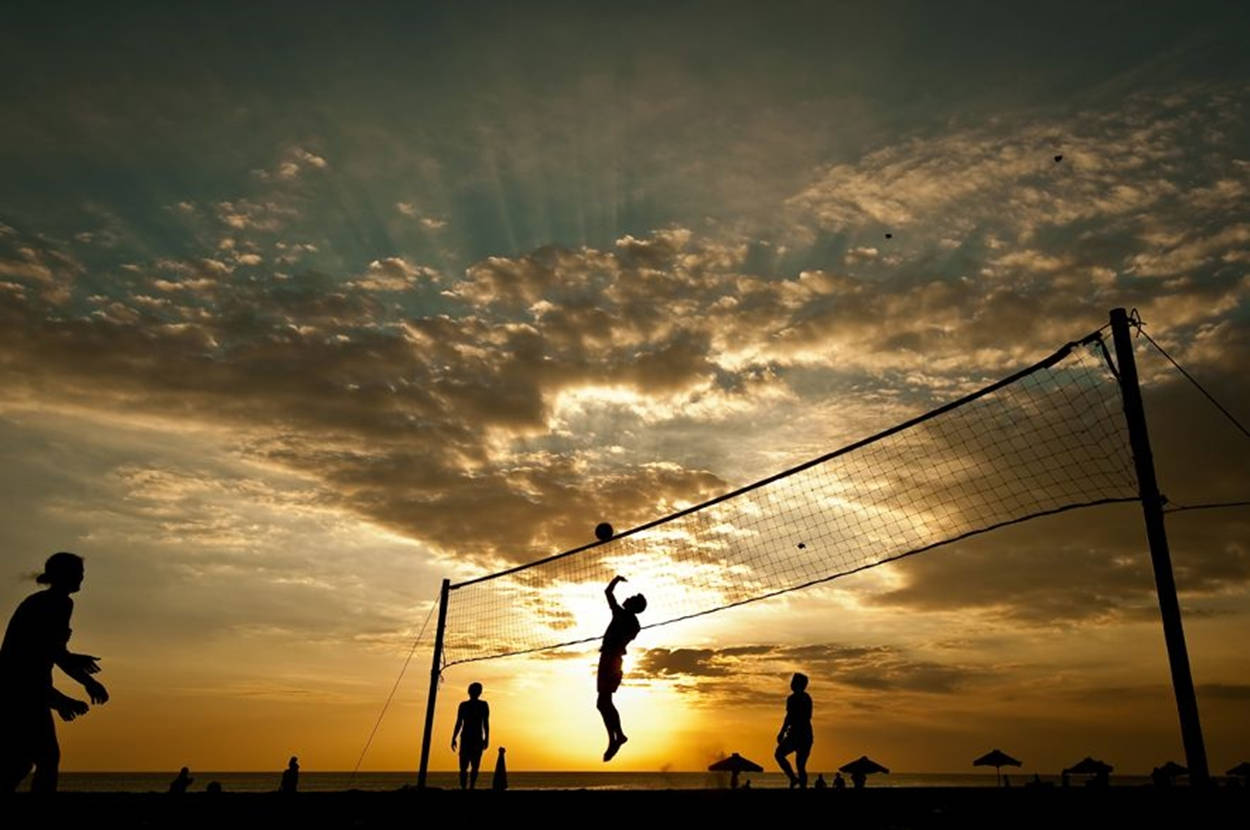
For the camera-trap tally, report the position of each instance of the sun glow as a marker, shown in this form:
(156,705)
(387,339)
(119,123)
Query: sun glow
(543,712)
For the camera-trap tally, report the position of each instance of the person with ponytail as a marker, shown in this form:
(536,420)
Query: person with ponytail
(37,639)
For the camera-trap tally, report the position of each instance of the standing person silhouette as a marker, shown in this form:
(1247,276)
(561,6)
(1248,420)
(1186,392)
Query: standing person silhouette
(35,640)
(474,716)
(796,732)
(290,777)
(623,628)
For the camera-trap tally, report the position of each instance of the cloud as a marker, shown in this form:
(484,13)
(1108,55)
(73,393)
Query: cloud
(293,163)
(749,674)
(394,274)
(246,214)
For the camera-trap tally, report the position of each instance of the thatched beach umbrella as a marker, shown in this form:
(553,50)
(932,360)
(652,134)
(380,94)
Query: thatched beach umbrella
(1242,770)
(733,765)
(861,768)
(1089,766)
(996,759)
(1172,769)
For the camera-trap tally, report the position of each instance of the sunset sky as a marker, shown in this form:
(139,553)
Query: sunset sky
(303,310)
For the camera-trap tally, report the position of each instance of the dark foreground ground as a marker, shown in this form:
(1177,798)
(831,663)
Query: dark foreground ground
(645,809)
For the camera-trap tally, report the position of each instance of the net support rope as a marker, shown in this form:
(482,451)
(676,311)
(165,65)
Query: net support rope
(391,696)
(1045,440)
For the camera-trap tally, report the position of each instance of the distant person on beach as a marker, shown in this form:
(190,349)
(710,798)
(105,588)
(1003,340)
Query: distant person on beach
(858,780)
(290,777)
(623,628)
(37,638)
(499,781)
(820,782)
(796,732)
(473,728)
(839,783)
(179,785)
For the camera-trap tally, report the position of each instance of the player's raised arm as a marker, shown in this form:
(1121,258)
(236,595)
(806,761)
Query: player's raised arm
(612,603)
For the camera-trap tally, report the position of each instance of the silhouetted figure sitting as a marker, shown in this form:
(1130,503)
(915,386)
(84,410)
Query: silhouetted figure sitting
(179,785)
(213,788)
(36,639)
(473,717)
(839,783)
(796,732)
(290,777)
(499,782)
(747,784)
(820,782)
(858,780)
(623,628)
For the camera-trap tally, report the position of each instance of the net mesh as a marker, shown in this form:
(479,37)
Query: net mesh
(1050,438)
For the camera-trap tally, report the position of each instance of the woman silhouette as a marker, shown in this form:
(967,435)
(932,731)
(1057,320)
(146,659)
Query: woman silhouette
(36,639)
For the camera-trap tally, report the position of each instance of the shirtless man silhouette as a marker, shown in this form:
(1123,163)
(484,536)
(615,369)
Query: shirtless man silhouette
(473,717)
(623,628)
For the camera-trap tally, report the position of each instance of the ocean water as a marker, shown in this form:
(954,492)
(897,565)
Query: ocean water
(380,781)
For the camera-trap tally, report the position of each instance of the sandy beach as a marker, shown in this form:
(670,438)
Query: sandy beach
(895,807)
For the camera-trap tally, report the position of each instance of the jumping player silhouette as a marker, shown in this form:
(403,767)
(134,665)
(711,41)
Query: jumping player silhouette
(623,628)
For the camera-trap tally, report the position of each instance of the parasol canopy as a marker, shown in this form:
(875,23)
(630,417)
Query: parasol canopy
(1089,766)
(863,765)
(735,763)
(1172,769)
(1242,770)
(996,759)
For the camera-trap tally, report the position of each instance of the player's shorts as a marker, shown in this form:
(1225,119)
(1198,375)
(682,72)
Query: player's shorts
(801,744)
(610,673)
(471,750)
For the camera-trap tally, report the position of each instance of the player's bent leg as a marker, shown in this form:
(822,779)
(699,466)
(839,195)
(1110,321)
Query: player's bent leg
(800,761)
(783,750)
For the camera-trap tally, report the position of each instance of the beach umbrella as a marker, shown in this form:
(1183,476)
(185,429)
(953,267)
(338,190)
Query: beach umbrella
(1089,766)
(1242,770)
(1172,769)
(860,768)
(863,765)
(996,759)
(733,765)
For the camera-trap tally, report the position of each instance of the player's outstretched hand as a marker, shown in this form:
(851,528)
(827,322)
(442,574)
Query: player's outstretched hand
(83,662)
(68,708)
(96,691)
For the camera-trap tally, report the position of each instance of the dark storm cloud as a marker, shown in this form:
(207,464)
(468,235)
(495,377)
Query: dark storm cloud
(742,672)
